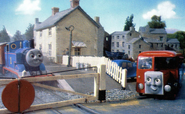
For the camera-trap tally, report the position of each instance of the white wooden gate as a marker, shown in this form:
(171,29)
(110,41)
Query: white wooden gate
(99,84)
(116,72)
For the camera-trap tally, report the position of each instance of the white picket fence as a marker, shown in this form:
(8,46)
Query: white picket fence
(112,69)
(116,72)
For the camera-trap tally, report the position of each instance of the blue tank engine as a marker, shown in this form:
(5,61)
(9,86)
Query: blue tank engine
(22,59)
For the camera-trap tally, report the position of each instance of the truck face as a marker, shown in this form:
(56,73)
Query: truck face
(153,74)
(153,82)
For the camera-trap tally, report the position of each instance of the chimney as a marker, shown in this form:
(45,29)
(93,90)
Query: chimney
(132,28)
(36,20)
(74,3)
(54,10)
(97,20)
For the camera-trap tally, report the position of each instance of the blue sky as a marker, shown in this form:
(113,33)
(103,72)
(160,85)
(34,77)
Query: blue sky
(17,14)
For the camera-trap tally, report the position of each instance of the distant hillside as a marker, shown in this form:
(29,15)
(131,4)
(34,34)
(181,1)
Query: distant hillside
(171,30)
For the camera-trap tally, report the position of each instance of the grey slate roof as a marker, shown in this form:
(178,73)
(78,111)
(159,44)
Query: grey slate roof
(152,30)
(147,40)
(53,20)
(172,40)
(157,31)
(3,43)
(151,40)
(120,32)
(133,40)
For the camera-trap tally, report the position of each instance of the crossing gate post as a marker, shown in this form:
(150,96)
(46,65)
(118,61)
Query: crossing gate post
(102,86)
(124,78)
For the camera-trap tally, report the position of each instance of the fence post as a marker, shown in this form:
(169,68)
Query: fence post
(102,87)
(96,86)
(124,78)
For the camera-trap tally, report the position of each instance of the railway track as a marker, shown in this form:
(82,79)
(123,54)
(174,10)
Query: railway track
(46,96)
(43,96)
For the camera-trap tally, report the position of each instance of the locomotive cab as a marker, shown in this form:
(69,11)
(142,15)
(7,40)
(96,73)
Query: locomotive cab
(158,73)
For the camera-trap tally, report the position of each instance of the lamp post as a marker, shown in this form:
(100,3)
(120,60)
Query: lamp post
(70,28)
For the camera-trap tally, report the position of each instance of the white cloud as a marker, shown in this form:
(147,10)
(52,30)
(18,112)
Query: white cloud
(164,9)
(28,7)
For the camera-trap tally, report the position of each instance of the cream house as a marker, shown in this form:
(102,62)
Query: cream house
(53,39)
(132,42)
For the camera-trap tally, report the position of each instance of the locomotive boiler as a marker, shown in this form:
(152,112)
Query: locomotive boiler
(21,59)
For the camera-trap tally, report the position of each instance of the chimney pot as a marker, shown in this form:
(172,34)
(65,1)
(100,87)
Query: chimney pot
(36,20)
(54,10)
(74,3)
(97,20)
(132,28)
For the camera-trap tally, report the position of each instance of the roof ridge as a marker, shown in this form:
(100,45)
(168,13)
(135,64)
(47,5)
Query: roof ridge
(52,20)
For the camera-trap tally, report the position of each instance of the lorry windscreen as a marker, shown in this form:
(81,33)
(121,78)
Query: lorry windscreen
(162,63)
(145,63)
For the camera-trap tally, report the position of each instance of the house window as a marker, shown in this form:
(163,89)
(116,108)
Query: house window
(112,37)
(49,49)
(161,38)
(77,51)
(40,46)
(122,44)
(151,45)
(128,46)
(128,52)
(130,34)
(117,37)
(112,44)
(139,51)
(107,39)
(40,33)
(50,31)
(123,36)
(49,46)
(139,46)
(117,44)
(161,45)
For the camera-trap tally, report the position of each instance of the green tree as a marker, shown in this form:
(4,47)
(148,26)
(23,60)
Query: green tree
(29,32)
(17,36)
(129,23)
(156,22)
(180,35)
(4,37)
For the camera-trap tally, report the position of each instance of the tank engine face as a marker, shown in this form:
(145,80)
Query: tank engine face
(34,57)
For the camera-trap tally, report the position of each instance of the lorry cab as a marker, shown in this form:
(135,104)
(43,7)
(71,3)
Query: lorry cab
(158,72)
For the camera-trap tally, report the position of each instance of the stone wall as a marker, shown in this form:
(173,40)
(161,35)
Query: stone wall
(84,31)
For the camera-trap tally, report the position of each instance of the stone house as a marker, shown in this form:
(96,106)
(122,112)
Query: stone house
(53,39)
(121,41)
(157,38)
(133,43)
